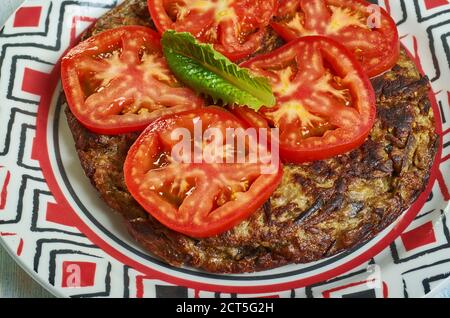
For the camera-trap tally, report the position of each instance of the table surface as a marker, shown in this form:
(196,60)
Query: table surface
(14,281)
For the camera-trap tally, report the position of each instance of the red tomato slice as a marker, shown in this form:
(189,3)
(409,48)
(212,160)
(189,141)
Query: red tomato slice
(235,27)
(346,21)
(118,81)
(325,102)
(196,199)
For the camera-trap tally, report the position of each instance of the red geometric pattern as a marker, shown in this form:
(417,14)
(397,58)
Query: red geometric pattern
(418,237)
(140,285)
(4,190)
(341,289)
(431,4)
(35,149)
(329,292)
(443,185)
(78,274)
(19,248)
(27,17)
(56,214)
(22,194)
(34,82)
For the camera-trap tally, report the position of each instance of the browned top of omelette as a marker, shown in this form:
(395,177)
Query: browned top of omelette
(320,208)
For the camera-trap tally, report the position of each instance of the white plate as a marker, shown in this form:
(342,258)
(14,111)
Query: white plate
(57,228)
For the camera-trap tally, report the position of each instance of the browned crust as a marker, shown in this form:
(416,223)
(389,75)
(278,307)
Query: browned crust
(320,209)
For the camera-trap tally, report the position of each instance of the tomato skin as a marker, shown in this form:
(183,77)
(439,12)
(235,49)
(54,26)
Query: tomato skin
(290,155)
(156,8)
(388,57)
(202,24)
(354,137)
(100,110)
(136,168)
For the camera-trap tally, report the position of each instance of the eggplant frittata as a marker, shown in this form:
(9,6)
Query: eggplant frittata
(320,208)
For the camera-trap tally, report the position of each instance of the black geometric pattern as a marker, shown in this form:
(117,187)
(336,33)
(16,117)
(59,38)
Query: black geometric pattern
(38,196)
(27,132)
(41,240)
(423,16)
(427,282)
(23,60)
(420,279)
(23,194)
(370,293)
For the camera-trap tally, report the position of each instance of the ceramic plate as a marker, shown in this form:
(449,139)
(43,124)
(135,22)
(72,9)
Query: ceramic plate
(56,227)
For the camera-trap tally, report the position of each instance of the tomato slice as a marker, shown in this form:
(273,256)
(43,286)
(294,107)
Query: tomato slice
(325,102)
(197,199)
(376,47)
(118,81)
(235,27)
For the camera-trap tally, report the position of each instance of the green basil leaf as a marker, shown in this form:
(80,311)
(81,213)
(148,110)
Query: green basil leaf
(208,72)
